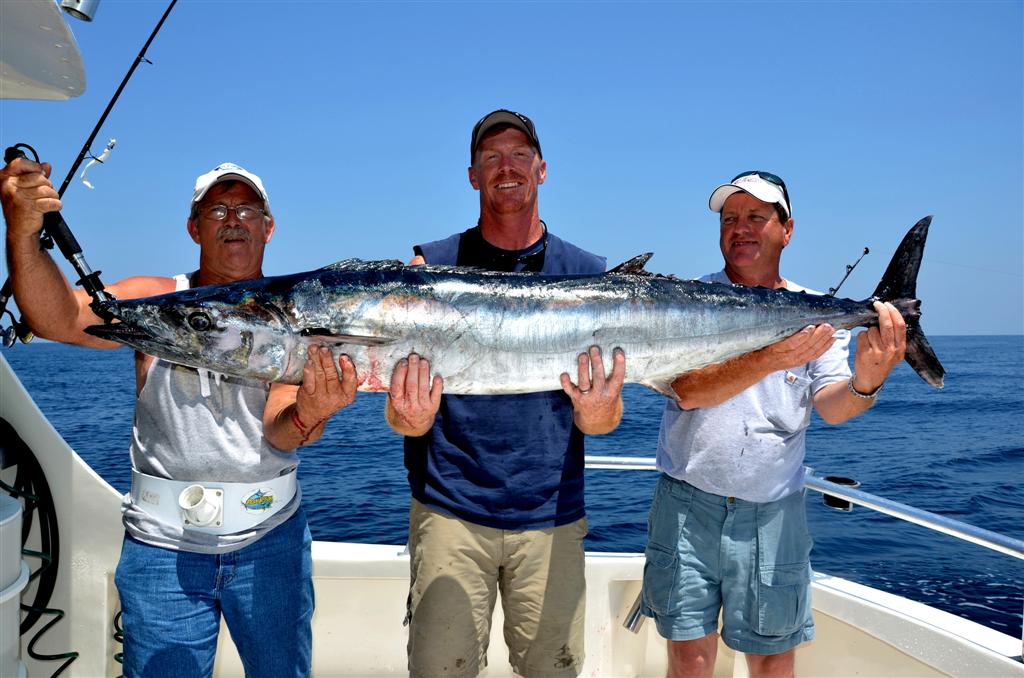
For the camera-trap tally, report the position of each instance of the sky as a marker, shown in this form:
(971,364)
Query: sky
(357,115)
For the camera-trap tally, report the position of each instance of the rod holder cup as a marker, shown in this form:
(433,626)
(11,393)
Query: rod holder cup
(203,506)
(835,502)
(83,10)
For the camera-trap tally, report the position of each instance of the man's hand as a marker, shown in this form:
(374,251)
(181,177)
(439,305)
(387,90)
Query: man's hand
(413,399)
(26,194)
(879,349)
(322,392)
(597,400)
(296,415)
(798,349)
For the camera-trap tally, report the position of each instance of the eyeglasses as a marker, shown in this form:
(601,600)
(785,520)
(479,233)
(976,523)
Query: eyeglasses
(243,212)
(771,179)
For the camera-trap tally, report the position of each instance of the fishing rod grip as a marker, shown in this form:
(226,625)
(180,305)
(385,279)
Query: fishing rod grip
(57,229)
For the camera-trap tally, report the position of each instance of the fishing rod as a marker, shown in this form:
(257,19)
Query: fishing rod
(849,269)
(56,230)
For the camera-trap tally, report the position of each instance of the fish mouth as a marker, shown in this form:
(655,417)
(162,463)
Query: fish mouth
(125,333)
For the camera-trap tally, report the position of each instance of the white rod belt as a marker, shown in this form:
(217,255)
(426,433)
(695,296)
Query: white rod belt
(210,506)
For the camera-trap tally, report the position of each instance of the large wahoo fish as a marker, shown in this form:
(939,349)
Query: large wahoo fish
(493,333)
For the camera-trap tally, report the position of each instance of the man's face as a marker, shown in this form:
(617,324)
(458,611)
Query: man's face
(507,171)
(231,248)
(752,237)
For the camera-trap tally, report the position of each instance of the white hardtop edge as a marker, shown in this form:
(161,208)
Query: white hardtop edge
(39,58)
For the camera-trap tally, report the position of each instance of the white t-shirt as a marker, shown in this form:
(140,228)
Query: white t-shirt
(751,446)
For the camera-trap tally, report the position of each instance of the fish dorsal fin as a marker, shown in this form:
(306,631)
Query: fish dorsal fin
(634,266)
(325,337)
(361,265)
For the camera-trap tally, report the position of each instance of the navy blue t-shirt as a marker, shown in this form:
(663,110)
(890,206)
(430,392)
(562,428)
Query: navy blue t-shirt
(511,462)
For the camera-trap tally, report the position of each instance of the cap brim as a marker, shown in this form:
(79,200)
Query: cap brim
(198,195)
(233,176)
(504,119)
(762,190)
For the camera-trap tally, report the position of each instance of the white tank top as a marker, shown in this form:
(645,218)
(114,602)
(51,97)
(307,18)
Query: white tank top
(193,424)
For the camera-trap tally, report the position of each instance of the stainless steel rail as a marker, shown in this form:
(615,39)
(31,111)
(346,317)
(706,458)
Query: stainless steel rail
(975,535)
(933,521)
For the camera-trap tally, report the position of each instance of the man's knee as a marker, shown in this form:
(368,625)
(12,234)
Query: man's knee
(772,665)
(692,657)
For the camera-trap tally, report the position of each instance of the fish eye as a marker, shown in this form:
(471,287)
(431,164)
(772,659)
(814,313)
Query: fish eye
(199,321)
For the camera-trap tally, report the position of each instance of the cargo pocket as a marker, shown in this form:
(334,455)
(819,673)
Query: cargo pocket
(782,598)
(660,588)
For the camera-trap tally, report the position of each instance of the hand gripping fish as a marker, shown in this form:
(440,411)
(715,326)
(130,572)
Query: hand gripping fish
(496,333)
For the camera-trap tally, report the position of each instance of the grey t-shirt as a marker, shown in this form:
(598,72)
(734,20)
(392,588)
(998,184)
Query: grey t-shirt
(196,425)
(751,446)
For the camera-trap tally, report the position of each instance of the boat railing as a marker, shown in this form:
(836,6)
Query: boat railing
(846,493)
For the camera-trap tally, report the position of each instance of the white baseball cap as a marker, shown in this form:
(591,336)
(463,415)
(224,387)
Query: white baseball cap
(229,171)
(764,186)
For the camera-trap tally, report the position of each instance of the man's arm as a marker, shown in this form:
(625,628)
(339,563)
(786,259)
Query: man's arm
(296,415)
(879,350)
(51,307)
(714,384)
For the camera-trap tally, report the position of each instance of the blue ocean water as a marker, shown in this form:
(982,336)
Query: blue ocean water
(958,452)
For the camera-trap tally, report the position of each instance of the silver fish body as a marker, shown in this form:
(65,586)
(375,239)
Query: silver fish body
(483,332)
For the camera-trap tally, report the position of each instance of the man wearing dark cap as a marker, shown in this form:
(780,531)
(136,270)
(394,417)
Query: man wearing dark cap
(197,434)
(497,481)
(728,534)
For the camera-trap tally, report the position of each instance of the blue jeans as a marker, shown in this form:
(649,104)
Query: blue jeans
(172,602)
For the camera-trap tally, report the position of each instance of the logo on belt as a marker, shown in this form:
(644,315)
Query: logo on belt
(258,501)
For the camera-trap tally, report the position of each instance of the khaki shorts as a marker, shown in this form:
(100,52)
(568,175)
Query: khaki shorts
(456,571)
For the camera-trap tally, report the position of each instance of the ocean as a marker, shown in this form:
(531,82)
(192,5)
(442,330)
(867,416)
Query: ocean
(958,452)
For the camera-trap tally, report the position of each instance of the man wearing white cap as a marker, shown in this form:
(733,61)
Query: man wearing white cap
(242,549)
(728,533)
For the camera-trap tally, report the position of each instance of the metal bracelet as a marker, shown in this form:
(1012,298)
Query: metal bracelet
(858,394)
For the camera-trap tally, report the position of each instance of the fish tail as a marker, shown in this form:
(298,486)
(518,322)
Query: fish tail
(899,286)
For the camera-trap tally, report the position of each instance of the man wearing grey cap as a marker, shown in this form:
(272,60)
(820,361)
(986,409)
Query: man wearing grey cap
(214,525)
(727,531)
(497,481)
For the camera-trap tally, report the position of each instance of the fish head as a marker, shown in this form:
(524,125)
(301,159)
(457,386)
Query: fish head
(236,332)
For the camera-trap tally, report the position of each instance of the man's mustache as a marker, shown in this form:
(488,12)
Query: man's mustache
(232,233)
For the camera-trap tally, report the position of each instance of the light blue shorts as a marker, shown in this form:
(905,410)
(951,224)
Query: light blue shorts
(750,561)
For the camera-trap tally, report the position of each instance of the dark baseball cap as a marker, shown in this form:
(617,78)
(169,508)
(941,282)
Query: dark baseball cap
(507,118)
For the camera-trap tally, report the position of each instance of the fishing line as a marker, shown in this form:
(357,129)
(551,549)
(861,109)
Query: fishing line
(55,229)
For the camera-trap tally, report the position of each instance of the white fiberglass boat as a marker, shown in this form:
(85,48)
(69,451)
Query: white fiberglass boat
(66,605)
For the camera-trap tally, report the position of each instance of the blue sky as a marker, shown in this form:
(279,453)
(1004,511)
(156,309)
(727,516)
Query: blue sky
(357,116)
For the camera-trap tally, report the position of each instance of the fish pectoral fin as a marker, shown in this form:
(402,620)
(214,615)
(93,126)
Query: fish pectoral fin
(662,386)
(634,266)
(325,337)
